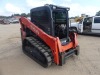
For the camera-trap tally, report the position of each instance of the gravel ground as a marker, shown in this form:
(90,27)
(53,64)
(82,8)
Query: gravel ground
(14,62)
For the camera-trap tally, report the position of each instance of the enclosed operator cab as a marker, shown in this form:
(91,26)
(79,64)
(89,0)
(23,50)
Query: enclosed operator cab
(52,19)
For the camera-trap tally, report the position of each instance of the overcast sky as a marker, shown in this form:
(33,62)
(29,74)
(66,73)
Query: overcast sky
(77,7)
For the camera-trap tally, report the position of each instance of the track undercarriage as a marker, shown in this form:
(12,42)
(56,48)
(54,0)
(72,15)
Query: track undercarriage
(38,51)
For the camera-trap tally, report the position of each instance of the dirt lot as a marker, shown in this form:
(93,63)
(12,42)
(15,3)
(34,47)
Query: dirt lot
(14,62)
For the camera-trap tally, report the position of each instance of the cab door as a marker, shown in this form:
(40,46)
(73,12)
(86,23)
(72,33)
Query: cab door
(96,25)
(80,26)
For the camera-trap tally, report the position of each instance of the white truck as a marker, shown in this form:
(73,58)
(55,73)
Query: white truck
(88,25)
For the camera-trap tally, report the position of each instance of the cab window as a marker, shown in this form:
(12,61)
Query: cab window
(97,20)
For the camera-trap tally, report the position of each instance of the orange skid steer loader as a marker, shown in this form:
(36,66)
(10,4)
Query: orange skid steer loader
(47,38)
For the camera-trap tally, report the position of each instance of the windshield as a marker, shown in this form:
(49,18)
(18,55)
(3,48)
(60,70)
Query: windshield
(59,16)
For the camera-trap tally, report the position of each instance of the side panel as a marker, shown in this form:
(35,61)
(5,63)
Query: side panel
(42,17)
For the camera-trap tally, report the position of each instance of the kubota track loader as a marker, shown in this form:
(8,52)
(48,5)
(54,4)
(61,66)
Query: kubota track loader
(47,37)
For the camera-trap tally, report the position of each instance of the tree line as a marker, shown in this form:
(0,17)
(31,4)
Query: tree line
(22,14)
(98,13)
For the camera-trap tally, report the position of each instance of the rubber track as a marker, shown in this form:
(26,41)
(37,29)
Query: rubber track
(43,49)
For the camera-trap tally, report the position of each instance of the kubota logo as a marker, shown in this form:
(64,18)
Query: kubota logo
(35,30)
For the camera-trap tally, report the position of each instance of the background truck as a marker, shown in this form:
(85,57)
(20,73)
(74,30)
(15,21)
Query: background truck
(47,38)
(89,25)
